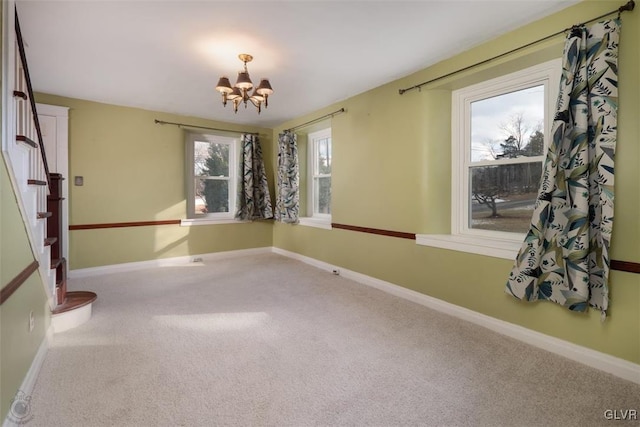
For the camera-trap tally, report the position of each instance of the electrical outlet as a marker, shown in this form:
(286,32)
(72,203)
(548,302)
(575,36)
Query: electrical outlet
(32,321)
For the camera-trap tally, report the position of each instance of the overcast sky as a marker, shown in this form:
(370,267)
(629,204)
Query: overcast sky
(489,114)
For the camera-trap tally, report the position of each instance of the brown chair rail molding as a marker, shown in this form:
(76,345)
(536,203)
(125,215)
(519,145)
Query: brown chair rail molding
(630,267)
(124,224)
(626,266)
(17,281)
(399,234)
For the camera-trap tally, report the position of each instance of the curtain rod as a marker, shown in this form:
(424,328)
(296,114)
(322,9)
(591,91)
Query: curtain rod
(629,6)
(342,110)
(162,122)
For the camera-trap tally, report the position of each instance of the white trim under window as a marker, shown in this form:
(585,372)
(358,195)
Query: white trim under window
(464,237)
(200,176)
(319,148)
(209,221)
(315,222)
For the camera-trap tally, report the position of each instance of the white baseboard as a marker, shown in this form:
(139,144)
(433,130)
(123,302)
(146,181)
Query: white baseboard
(32,375)
(164,262)
(595,359)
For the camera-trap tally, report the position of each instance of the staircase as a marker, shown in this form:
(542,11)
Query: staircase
(40,194)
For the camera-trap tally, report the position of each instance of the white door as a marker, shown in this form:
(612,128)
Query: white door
(49,135)
(54,123)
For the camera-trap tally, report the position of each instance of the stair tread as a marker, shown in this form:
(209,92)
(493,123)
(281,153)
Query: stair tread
(27,140)
(56,262)
(20,94)
(42,215)
(36,182)
(50,241)
(74,300)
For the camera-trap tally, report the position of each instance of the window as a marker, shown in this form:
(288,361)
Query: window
(211,181)
(499,138)
(319,179)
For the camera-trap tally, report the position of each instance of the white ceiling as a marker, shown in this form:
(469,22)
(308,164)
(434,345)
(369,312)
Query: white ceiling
(167,55)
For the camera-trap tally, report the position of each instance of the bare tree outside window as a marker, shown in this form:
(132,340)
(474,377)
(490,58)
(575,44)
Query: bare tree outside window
(503,195)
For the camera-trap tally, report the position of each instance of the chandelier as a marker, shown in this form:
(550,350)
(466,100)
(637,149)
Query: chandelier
(240,91)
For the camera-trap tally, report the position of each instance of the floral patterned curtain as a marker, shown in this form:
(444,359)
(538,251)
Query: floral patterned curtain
(565,255)
(253,201)
(288,193)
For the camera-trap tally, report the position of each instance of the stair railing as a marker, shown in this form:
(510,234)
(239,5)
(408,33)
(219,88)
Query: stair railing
(47,200)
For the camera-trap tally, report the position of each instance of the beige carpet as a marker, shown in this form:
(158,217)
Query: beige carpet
(268,341)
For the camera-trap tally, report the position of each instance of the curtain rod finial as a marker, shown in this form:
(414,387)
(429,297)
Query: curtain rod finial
(631,4)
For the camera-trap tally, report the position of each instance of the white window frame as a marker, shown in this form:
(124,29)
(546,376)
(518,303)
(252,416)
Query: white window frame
(213,217)
(315,219)
(498,244)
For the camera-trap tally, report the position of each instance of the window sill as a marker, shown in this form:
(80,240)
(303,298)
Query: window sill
(315,222)
(208,221)
(493,247)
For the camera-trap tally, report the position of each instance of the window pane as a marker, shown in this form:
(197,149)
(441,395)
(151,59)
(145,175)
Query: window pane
(211,195)
(502,197)
(322,192)
(200,154)
(508,125)
(211,159)
(323,156)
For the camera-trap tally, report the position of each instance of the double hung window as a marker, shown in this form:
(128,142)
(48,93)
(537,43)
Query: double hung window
(500,129)
(319,179)
(211,169)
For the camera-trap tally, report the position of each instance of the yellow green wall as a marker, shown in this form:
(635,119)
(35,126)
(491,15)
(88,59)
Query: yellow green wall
(18,346)
(134,171)
(391,170)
